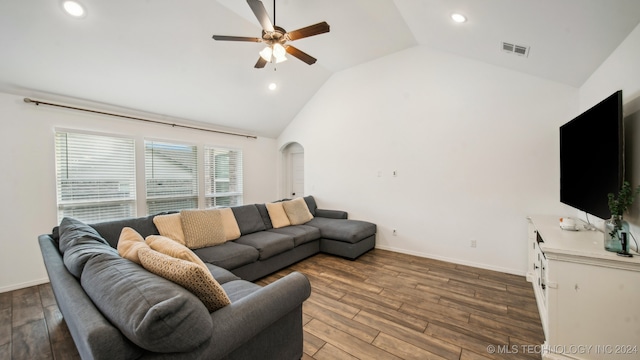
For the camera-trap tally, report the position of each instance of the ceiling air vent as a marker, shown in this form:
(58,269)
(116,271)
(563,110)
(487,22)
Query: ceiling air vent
(519,50)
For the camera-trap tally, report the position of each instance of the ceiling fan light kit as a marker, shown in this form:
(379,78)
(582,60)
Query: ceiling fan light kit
(276,51)
(276,38)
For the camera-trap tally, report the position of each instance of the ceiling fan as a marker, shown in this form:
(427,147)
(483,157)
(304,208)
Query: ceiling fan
(276,37)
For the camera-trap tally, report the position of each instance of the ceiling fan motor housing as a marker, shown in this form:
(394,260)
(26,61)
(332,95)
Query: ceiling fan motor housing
(278,36)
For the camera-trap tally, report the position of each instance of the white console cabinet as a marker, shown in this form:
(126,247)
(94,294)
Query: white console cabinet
(588,298)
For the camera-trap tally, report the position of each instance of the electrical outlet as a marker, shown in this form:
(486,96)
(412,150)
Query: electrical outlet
(474,243)
(395,232)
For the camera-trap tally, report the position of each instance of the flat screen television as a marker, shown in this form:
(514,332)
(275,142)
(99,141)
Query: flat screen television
(592,157)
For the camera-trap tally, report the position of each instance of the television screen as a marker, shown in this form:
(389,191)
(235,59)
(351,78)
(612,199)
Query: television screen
(591,157)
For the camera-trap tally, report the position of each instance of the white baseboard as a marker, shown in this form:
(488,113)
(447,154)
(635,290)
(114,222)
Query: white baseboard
(452,260)
(23,285)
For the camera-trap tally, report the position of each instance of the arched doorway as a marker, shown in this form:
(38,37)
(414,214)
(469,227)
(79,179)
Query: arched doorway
(293,159)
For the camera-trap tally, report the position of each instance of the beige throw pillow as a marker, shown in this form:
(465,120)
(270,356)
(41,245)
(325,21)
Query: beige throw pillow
(202,228)
(231,228)
(278,216)
(297,211)
(129,243)
(192,277)
(169,247)
(170,226)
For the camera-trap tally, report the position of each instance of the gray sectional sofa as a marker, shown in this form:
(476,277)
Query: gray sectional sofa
(115,308)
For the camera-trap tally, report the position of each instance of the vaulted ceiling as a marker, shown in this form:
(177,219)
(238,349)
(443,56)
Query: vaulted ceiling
(158,56)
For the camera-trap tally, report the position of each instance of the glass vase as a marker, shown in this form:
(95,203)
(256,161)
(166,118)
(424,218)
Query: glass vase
(613,228)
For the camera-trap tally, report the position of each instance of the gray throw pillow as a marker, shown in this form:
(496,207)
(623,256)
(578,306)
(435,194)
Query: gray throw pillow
(311,204)
(76,257)
(264,214)
(73,231)
(248,219)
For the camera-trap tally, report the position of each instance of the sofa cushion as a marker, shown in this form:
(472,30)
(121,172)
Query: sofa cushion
(277,215)
(187,274)
(267,243)
(154,313)
(264,214)
(80,243)
(301,234)
(129,244)
(221,275)
(110,230)
(311,204)
(170,225)
(230,225)
(202,228)
(229,255)
(239,289)
(172,248)
(74,231)
(297,211)
(248,218)
(350,231)
(77,255)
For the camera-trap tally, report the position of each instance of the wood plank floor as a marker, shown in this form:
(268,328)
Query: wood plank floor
(384,305)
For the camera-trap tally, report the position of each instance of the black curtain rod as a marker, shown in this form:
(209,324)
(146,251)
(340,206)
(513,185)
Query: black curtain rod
(38,102)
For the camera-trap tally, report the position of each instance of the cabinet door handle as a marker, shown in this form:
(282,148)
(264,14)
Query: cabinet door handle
(536,267)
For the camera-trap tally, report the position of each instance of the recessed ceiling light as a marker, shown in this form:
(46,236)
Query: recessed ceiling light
(272,86)
(459,18)
(73,8)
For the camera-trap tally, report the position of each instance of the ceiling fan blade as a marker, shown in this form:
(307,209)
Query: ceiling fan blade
(236,38)
(301,55)
(319,28)
(260,63)
(261,13)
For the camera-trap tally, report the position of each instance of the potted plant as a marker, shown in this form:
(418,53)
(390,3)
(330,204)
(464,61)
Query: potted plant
(618,205)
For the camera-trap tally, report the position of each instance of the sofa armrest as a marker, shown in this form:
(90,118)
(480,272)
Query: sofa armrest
(331,214)
(237,323)
(94,336)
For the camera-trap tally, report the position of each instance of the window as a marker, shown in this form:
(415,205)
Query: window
(223,177)
(171,173)
(95,176)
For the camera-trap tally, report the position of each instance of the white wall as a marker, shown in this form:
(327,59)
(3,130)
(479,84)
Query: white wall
(475,148)
(621,71)
(27,175)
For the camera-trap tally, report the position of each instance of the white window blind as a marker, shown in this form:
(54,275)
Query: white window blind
(171,172)
(223,177)
(95,176)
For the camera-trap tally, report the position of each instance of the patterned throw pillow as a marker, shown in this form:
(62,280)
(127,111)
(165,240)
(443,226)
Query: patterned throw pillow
(129,243)
(172,248)
(278,216)
(297,211)
(170,226)
(191,276)
(202,228)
